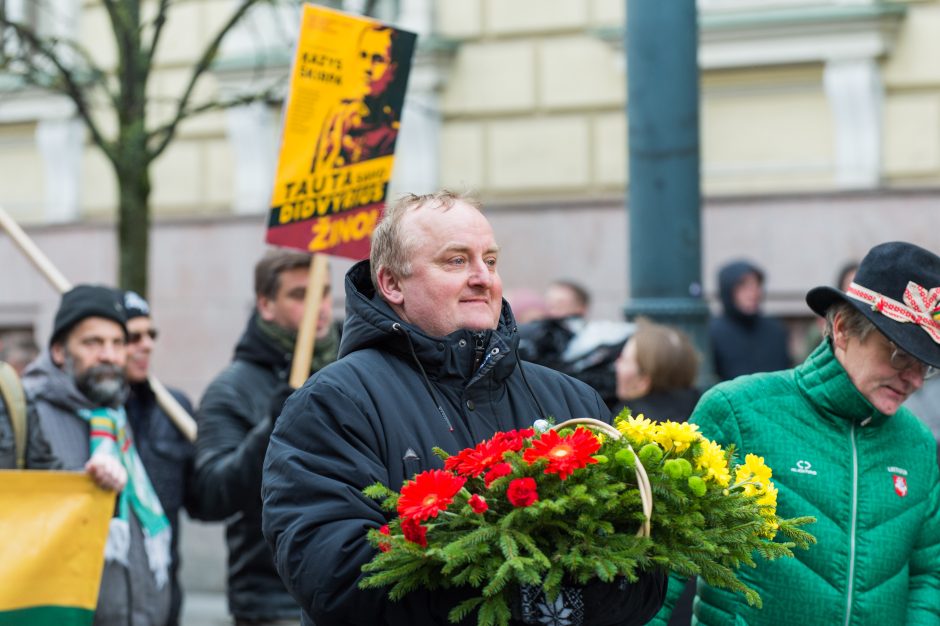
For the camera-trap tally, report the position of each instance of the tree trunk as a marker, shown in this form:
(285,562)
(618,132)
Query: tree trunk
(134,219)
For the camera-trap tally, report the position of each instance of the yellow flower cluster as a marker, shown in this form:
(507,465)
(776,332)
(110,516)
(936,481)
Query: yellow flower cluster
(712,459)
(754,477)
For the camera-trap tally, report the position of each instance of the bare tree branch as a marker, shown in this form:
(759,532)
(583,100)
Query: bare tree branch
(158,22)
(69,83)
(165,134)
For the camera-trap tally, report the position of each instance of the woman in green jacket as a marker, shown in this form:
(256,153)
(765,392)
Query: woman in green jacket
(844,450)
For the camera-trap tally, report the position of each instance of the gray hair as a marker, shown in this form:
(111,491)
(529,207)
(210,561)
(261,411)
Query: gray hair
(392,248)
(855,323)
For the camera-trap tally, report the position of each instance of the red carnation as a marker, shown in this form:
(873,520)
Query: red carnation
(384,546)
(478,504)
(522,492)
(513,439)
(414,531)
(497,471)
(428,494)
(475,461)
(564,454)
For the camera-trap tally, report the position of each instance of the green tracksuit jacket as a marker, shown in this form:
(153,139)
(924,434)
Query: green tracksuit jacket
(871,480)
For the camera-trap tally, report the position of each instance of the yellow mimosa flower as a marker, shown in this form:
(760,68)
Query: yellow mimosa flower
(676,435)
(637,429)
(711,458)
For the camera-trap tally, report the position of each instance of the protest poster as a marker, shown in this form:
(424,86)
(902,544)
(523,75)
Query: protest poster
(54,527)
(341,123)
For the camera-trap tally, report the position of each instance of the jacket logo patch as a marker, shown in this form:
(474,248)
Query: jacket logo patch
(803,467)
(900,485)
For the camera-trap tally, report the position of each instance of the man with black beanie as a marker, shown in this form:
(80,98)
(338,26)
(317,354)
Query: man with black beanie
(235,418)
(165,451)
(78,388)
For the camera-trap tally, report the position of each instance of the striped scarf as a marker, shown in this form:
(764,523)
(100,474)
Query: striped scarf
(110,435)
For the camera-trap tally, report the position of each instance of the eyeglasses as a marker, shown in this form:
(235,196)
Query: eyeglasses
(901,361)
(137,337)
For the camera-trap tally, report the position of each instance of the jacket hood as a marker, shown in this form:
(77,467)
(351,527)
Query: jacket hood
(254,346)
(371,323)
(728,277)
(44,380)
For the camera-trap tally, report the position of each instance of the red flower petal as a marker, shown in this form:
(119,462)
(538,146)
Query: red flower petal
(522,492)
(428,494)
(564,454)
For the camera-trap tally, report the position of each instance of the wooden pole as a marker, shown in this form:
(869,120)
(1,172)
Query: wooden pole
(307,334)
(178,415)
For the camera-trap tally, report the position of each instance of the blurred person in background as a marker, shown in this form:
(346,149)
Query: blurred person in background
(21,352)
(236,416)
(743,339)
(166,453)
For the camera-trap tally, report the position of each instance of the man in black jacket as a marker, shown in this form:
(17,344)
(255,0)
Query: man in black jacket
(428,359)
(235,419)
(163,449)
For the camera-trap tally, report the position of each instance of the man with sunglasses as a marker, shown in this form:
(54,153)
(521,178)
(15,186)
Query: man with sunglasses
(844,450)
(165,452)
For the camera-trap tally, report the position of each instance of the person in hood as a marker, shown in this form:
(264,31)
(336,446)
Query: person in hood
(78,388)
(166,453)
(743,339)
(428,358)
(844,450)
(235,418)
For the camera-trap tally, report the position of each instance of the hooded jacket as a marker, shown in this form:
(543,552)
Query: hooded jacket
(234,421)
(745,343)
(129,595)
(375,415)
(870,480)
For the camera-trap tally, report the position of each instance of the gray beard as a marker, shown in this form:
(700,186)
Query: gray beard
(103,385)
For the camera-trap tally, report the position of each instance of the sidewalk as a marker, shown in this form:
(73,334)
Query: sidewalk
(203,608)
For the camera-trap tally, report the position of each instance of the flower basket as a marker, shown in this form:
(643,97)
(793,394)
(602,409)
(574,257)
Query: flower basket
(574,505)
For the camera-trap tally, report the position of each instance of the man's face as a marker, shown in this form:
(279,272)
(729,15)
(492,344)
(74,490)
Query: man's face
(140,344)
(375,50)
(562,302)
(747,294)
(454,283)
(868,364)
(94,355)
(286,309)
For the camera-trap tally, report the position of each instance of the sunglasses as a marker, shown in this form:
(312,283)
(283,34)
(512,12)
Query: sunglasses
(137,337)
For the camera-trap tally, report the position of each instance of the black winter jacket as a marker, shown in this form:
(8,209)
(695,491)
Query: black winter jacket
(168,457)
(234,421)
(745,343)
(375,415)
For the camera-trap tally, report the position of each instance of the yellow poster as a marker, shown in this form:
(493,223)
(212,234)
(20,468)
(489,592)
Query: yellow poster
(341,122)
(53,526)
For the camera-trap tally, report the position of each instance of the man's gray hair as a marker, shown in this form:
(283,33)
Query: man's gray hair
(390,247)
(856,324)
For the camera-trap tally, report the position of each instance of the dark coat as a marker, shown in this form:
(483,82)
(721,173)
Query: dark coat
(375,415)
(38,453)
(234,421)
(168,458)
(675,405)
(745,343)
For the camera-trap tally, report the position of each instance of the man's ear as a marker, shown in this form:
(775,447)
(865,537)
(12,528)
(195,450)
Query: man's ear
(57,352)
(839,337)
(389,286)
(265,308)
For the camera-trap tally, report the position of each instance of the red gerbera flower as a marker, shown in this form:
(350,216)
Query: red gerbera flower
(564,454)
(475,461)
(428,494)
(497,471)
(522,492)
(478,504)
(414,531)
(514,439)
(384,546)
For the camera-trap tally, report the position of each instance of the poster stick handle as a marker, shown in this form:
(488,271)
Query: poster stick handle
(307,334)
(178,415)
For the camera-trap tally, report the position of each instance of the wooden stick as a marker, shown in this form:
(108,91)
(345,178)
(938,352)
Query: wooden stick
(307,334)
(178,415)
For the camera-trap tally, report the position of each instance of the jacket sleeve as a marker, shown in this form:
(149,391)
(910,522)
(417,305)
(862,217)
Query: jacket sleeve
(230,449)
(324,450)
(38,451)
(923,601)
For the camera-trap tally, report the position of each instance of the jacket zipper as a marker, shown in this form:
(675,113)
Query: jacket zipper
(848,603)
(478,347)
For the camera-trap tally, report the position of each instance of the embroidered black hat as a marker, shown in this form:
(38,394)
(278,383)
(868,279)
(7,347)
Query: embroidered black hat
(897,287)
(84,301)
(135,305)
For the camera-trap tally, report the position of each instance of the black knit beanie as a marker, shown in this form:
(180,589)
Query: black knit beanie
(85,301)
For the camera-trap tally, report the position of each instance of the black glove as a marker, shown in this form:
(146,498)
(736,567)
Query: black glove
(530,606)
(281,393)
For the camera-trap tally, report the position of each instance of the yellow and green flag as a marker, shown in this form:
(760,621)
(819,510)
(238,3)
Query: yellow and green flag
(53,529)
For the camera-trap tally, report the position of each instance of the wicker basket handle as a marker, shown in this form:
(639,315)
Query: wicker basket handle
(642,479)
